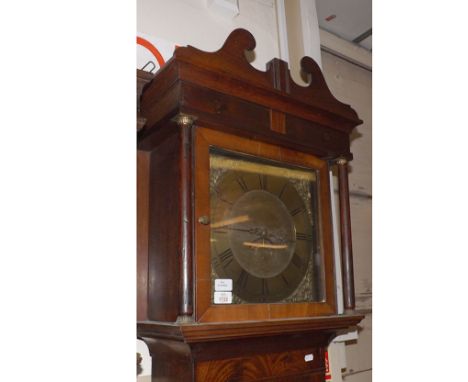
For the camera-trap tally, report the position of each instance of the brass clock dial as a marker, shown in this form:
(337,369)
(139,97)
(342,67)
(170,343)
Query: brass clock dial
(263,231)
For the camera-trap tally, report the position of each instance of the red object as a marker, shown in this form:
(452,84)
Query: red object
(330,18)
(328,376)
(141,41)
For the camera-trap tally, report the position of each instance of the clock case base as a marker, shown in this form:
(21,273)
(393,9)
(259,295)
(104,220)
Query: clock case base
(277,350)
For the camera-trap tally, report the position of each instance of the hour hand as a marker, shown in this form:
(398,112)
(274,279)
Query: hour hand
(248,230)
(226,228)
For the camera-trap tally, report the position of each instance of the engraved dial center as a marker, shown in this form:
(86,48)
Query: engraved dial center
(264,244)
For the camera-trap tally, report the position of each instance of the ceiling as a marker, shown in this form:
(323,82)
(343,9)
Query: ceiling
(348,19)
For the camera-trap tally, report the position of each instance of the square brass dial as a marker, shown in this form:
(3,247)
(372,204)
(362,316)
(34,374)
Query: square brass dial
(265,233)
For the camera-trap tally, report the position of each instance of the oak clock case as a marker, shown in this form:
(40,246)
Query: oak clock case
(235,265)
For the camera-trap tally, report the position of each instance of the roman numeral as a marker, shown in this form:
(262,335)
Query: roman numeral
(285,280)
(282,190)
(215,262)
(304,236)
(297,211)
(297,261)
(265,290)
(226,257)
(218,193)
(242,184)
(241,281)
(263,180)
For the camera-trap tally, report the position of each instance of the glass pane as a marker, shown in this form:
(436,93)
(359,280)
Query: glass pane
(264,231)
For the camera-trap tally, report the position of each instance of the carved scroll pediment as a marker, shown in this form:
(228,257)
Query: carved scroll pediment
(231,60)
(222,88)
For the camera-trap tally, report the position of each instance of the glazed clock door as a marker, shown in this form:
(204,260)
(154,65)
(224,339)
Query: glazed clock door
(263,243)
(263,220)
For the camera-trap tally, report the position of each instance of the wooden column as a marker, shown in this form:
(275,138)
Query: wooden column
(346,242)
(143,169)
(186,261)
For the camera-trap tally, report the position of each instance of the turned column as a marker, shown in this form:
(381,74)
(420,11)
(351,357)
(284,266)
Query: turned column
(345,233)
(185,123)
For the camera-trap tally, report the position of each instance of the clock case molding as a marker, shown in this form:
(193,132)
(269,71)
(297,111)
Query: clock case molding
(219,97)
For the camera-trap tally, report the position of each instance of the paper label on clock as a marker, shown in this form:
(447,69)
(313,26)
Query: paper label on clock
(223,297)
(223,285)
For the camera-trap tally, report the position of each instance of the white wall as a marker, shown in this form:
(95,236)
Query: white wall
(352,84)
(192,22)
(302,35)
(146,358)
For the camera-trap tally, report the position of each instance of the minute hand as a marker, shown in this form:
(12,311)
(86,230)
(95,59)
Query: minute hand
(248,230)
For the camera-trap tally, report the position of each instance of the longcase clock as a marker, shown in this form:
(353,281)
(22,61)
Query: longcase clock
(236,273)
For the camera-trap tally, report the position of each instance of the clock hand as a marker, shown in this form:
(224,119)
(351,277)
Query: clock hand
(254,231)
(223,229)
(249,230)
(264,245)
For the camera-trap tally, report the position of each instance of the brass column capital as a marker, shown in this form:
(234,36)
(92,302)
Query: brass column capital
(341,161)
(184,120)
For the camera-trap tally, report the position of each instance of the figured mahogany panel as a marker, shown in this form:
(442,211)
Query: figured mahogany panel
(262,366)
